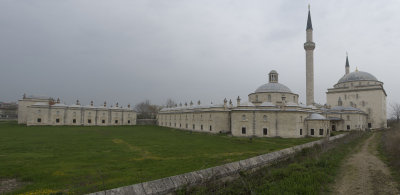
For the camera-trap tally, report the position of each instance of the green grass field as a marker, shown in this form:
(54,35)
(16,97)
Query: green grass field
(78,160)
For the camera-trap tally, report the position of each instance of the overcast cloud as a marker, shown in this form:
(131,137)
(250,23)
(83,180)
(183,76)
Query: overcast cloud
(129,50)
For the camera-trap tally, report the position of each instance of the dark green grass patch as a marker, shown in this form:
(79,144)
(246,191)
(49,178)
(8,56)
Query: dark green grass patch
(389,150)
(309,172)
(88,159)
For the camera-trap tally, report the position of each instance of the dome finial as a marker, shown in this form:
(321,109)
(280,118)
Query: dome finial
(308,7)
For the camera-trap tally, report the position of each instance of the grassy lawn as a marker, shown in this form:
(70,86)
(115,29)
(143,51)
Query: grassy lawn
(87,159)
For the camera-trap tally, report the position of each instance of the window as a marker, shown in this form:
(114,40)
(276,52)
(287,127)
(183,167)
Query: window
(357,96)
(74,121)
(348,117)
(169,123)
(321,131)
(57,120)
(116,121)
(301,118)
(243,130)
(327,131)
(103,121)
(265,117)
(369,125)
(74,114)
(312,131)
(269,98)
(265,131)
(345,96)
(193,126)
(129,121)
(174,124)
(243,117)
(186,126)
(256,98)
(39,120)
(58,112)
(201,127)
(89,121)
(210,128)
(348,127)
(301,131)
(294,98)
(180,124)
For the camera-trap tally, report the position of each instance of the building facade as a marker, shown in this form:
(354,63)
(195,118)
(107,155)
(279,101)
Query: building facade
(45,111)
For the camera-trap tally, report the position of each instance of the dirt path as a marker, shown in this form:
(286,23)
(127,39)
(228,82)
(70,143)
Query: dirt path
(364,173)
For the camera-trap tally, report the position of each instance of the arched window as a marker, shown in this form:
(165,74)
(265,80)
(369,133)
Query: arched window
(294,99)
(265,117)
(256,98)
(269,98)
(243,117)
(348,117)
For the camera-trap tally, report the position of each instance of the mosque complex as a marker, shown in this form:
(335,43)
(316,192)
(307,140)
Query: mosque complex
(356,102)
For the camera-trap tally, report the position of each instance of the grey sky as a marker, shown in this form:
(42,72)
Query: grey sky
(127,51)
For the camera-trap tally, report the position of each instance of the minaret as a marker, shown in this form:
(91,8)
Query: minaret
(347,64)
(309,46)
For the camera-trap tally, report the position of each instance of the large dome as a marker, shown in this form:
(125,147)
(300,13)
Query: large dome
(357,76)
(273,87)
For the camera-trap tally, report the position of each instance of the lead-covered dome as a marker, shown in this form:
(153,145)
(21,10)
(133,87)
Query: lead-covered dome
(273,87)
(357,76)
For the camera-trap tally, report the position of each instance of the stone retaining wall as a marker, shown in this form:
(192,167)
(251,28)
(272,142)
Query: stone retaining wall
(173,183)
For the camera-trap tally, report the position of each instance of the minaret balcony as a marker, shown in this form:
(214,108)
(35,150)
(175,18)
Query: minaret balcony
(309,45)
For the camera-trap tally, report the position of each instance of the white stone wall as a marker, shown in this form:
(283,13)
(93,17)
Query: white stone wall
(321,128)
(275,123)
(48,115)
(212,121)
(23,108)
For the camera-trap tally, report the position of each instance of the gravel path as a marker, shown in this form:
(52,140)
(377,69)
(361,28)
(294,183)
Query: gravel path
(364,173)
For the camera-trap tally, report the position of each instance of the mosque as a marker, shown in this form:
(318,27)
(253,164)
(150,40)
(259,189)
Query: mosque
(356,102)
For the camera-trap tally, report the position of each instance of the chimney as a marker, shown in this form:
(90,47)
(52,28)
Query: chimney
(58,100)
(91,103)
(238,101)
(105,104)
(77,102)
(198,102)
(116,105)
(191,103)
(225,101)
(129,105)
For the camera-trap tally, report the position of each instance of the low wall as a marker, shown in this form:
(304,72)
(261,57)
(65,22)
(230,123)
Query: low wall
(146,122)
(173,183)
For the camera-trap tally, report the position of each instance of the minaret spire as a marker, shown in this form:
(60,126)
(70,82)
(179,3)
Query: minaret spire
(347,64)
(309,23)
(309,46)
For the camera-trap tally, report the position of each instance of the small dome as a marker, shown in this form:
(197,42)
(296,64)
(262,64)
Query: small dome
(357,76)
(273,87)
(315,116)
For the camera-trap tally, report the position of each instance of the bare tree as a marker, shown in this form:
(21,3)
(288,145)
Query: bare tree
(170,103)
(146,110)
(395,111)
